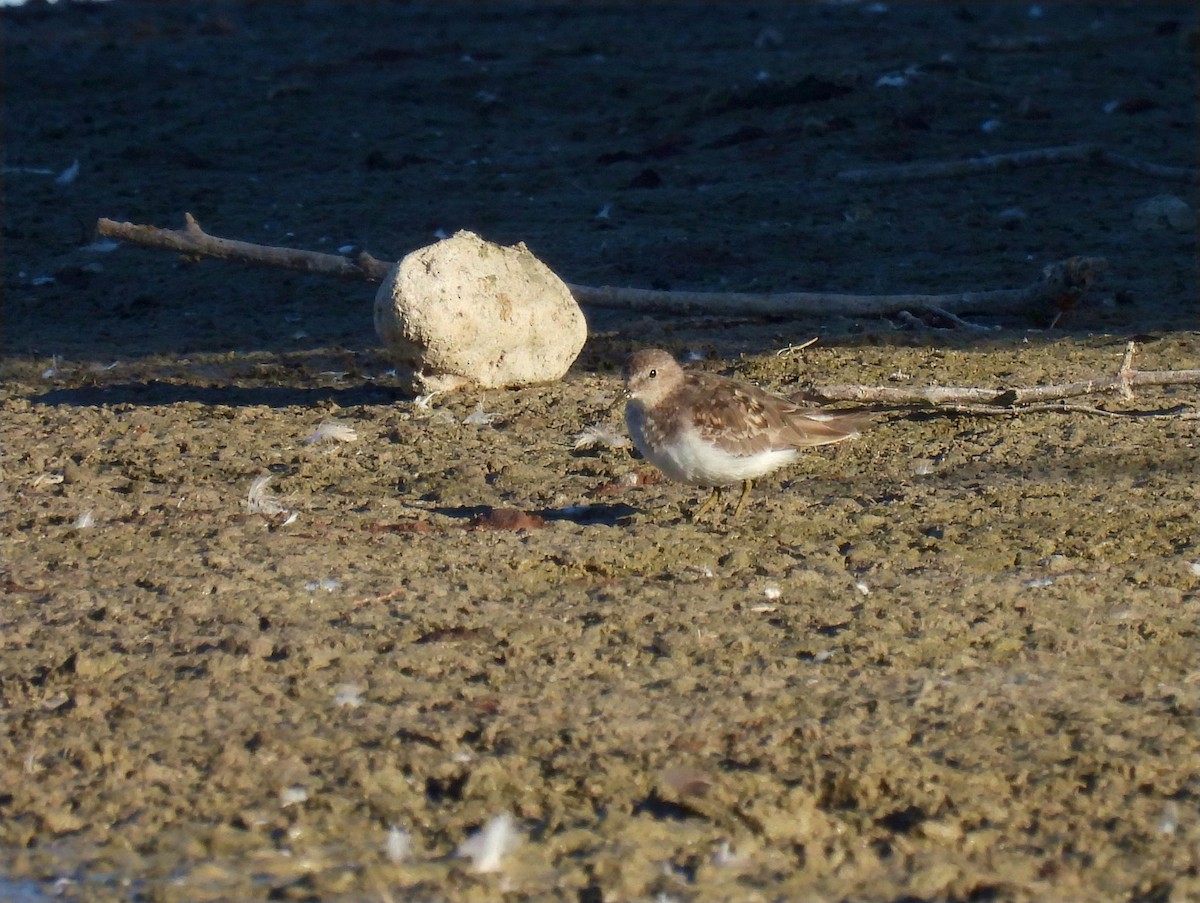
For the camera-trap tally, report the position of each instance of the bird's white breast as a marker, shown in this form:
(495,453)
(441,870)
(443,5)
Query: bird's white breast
(707,465)
(687,458)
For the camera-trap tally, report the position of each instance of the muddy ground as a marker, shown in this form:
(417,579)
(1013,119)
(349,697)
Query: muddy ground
(955,660)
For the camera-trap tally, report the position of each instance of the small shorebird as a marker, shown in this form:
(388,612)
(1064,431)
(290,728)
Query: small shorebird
(714,431)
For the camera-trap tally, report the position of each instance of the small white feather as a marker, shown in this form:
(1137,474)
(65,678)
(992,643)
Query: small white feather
(724,855)
(600,436)
(68,175)
(1168,822)
(261,500)
(329,584)
(398,846)
(479,417)
(348,696)
(292,796)
(487,847)
(332,431)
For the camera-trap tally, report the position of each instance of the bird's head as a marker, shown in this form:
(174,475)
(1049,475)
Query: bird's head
(651,375)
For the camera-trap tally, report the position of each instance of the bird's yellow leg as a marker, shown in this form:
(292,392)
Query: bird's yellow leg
(746,484)
(707,506)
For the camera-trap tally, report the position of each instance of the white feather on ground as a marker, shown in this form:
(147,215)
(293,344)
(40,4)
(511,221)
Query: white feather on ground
(332,431)
(599,436)
(348,696)
(487,847)
(479,417)
(398,846)
(261,500)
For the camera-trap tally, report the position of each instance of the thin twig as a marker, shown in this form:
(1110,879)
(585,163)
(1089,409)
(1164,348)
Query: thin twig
(912,321)
(1178,412)
(1060,284)
(792,350)
(960,322)
(382,597)
(1015,400)
(1072,153)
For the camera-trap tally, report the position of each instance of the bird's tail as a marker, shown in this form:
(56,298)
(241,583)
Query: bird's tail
(818,427)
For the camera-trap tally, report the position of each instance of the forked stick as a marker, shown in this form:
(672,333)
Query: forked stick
(1016,400)
(1061,284)
(194,242)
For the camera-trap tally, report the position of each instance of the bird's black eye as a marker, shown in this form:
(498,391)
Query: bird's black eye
(653,373)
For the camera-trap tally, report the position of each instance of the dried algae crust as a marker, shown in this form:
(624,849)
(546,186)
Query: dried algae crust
(958,658)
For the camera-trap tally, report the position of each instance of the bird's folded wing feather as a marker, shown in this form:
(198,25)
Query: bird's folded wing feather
(744,420)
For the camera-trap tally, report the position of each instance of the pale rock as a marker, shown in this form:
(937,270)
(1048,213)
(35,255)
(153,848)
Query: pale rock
(465,312)
(1164,211)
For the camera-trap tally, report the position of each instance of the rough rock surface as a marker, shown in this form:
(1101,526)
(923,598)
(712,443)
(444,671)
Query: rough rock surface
(1165,211)
(469,312)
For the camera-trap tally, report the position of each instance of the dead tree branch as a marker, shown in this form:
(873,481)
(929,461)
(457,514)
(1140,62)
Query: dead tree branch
(802,304)
(1015,400)
(194,242)
(1073,153)
(1060,285)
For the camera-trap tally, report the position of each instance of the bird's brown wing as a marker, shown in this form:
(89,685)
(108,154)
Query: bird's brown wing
(744,420)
